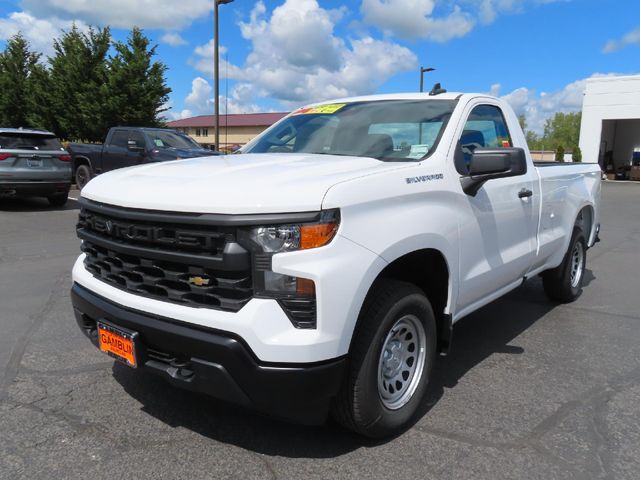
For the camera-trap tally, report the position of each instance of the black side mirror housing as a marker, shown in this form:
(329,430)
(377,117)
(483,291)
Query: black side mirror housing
(491,163)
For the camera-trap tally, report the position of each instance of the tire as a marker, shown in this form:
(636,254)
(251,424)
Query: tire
(58,200)
(564,283)
(377,400)
(83,175)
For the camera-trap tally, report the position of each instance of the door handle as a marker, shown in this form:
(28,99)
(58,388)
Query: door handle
(525,193)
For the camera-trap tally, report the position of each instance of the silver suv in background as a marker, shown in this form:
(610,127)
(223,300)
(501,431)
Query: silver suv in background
(34,163)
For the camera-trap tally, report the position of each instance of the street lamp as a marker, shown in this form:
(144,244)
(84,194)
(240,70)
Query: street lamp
(422,72)
(216,68)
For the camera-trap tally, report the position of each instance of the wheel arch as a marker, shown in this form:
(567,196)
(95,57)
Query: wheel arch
(81,160)
(429,270)
(586,221)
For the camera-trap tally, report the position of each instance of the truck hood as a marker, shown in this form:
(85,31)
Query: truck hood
(233,184)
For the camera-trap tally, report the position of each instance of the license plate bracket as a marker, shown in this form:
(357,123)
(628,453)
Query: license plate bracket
(117,342)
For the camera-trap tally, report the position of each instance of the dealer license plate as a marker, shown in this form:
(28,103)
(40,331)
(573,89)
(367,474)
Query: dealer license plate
(34,162)
(118,343)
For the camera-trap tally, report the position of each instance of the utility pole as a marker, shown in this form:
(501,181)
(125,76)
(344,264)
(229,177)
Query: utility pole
(216,68)
(422,72)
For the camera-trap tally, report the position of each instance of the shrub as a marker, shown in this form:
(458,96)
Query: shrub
(560,154)
(576,156)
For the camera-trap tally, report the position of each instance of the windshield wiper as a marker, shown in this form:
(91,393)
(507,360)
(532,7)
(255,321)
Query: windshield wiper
(332,153)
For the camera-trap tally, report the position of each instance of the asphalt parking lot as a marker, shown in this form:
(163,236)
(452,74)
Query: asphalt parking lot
(530,390)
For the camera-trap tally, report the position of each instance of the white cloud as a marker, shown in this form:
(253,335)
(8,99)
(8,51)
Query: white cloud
(415,19)
(173,39)
(295,56)
(39,32)
(161,14)
(538,107)
(438,20)
(631,38)
(201,101)
(203,61)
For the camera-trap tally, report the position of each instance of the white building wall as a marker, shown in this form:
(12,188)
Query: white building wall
(606,98)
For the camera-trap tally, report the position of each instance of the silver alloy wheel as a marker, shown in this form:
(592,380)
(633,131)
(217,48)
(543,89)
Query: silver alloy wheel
(577,264)
(401,362)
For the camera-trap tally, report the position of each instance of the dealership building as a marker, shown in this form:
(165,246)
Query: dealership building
(235,129)
(610,132)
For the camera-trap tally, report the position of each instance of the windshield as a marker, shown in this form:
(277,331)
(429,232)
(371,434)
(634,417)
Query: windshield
(166,139)
(25,141)
(390,130)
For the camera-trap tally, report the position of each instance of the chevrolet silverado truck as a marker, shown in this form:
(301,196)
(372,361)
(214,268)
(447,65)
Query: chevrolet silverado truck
(33,163)
(127,146)
(322,268)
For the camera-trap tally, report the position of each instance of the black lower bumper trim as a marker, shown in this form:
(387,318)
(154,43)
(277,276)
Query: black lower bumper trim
(216,363)
(44,189)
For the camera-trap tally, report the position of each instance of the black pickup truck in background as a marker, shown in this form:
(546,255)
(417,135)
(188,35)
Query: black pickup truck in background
(128,146)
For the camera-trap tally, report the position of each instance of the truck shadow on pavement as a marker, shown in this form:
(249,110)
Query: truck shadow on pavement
(486,332)
(34,204)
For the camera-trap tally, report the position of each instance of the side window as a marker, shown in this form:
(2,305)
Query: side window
(485,128)
(138,138)
(119,139)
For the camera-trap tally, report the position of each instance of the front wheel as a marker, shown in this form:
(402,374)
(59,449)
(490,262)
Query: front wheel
(392,355)
(564,283)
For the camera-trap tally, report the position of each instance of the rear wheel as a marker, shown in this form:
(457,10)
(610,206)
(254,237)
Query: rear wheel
(392,355)
(83,175)
(564,283)
(58,200)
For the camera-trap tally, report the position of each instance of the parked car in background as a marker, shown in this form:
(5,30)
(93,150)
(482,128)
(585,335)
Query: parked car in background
(128,146)
(34,163)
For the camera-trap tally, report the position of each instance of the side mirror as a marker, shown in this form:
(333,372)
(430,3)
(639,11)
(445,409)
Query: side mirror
(491,163)
(133,146)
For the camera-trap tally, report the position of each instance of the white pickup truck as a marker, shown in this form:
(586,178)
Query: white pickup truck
(322,268)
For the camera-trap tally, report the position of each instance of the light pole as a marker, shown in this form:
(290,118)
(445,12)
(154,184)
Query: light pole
(422,72)
(216,68)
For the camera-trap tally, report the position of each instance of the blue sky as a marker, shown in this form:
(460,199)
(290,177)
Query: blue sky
(282,54)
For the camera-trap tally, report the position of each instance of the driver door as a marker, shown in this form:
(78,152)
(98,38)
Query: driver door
(497,226)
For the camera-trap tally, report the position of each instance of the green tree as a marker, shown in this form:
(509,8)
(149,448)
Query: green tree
(19,71)
(522,120)
(533,140)
(576,156)
(560,153)
(563,129)
(137,85)
(39,106)
(78,84)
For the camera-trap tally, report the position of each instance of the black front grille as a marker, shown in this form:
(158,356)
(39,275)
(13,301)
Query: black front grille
(188,264)
(180,238)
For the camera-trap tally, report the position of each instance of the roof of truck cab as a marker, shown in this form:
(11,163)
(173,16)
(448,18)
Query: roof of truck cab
(28,131)
(394,96)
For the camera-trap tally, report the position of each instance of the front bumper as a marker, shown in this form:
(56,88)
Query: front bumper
(217,363)
(34,188)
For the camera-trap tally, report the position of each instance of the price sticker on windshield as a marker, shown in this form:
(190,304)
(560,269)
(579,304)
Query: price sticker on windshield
(328,109)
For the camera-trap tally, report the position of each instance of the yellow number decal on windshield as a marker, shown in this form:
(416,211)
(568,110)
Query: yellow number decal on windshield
(320,109)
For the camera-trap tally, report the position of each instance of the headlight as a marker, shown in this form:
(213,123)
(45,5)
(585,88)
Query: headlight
(288,238)
(283,238)
(296,295)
